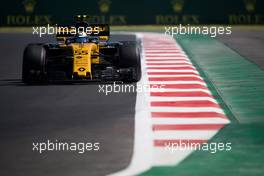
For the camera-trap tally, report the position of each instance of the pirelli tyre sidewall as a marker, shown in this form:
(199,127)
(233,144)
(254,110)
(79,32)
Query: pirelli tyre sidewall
(129,53)
(34,64)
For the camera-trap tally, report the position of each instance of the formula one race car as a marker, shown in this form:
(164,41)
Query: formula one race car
(83,52)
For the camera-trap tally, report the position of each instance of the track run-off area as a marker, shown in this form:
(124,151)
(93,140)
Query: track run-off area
(179,110)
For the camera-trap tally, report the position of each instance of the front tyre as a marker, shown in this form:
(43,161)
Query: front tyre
(129,53)
(34,64)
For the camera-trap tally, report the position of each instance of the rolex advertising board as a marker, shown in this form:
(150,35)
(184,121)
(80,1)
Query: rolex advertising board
(118,12)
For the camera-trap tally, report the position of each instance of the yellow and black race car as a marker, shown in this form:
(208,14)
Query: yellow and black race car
(83,52)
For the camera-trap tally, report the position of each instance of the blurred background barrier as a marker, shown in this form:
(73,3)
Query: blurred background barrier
(136,12)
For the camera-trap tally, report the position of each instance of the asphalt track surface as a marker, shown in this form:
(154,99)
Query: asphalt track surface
(67,113)
(249,44)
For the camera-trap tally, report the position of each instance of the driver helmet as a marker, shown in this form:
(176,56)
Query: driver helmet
(82,37)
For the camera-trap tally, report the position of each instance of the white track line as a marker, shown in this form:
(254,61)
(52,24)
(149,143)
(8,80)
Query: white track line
(181,99)
(177,82)
(173,71)
(207,120)
(178,75)
(185,109)
(184,134)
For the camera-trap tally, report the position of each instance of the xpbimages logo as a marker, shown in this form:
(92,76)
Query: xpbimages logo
(129,88)
(79,147)
(184,145)
(212,31)
(64,30)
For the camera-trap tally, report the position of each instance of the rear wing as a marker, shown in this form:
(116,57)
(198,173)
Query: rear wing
(97,30)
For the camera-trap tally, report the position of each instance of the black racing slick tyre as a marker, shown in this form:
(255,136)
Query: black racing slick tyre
(129,53)
(34,64)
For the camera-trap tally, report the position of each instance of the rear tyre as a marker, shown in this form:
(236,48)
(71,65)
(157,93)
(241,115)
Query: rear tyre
(129,53)
(34,64)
